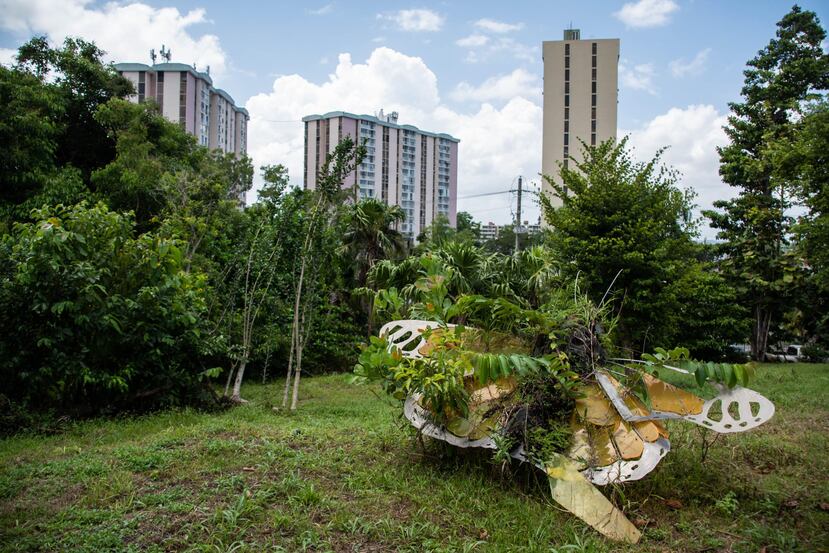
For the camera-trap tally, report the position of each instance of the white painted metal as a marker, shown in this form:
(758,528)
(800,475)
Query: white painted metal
(402,333)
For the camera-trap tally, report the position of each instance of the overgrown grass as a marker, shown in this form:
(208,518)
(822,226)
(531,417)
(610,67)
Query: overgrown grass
(345,474)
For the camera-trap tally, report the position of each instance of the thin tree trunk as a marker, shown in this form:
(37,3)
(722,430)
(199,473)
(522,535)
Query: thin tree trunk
(229,378)
(298,366)
(295,332)
(237,385)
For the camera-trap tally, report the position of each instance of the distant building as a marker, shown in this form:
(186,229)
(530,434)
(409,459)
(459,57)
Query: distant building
(187,97)
(580,98)
(404,166)
(489,231)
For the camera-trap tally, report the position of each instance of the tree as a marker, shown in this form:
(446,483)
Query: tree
(467,228)
(804,158)
(754,226)
(624,231)
(370,234)
(96,318)
(324,201)
(257,272)
(77,73)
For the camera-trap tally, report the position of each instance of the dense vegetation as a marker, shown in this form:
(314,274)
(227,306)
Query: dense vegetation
(130,278)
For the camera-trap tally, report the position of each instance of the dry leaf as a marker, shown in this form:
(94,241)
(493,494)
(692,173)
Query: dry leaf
(674,503)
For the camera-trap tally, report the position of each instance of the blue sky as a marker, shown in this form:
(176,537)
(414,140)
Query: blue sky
(469,68)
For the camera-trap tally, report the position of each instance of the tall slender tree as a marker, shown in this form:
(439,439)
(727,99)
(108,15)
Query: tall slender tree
(324,203)
(754,226)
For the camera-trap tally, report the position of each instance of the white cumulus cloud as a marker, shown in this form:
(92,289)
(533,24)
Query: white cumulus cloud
(637,77)
(682,67)
(7,56)
(494,26)
(414,20)
(126,31)
(503,87)
(646,13)
(692,135)
(496,144)
(472,41)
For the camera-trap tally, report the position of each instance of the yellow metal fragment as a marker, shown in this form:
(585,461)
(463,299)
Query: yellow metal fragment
(595,408)
(572,491)
(627,441)
(650,431)
(670,399)
(499,388)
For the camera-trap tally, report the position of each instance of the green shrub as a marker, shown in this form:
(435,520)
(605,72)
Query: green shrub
(94,317)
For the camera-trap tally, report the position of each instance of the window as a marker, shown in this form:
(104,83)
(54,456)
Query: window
(566,74)
(566,126)
(182,99)
(567,100)
(566,113)
(593,139)
(566,62)
(159,91)
(594,86)
(141,86)
(566,49)
(594,73)
(593,112)
(595,46)
(593,100)
(567,87)
(566,139)
(593,126)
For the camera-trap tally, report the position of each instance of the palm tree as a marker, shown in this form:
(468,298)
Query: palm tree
(371,235)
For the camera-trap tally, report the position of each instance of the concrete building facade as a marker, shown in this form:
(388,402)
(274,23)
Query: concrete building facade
(187,97)
(580,98)
(404,166)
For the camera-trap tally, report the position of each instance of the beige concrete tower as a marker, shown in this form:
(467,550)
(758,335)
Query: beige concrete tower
(580,98)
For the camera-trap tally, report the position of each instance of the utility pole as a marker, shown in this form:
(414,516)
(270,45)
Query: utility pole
(518,216)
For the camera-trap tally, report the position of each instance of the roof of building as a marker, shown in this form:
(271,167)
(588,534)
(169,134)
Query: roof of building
(160,67)
(379,121)
(181,67)
(224,95)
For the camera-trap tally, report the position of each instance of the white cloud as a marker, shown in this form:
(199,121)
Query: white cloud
(8,56)
(500,45)
(637,77)
(322,10)
(504,87)
(646,13)
(681,68)
(125,31)
(472,41)
(692,134)
(496,144)
(414,20)
(494,26)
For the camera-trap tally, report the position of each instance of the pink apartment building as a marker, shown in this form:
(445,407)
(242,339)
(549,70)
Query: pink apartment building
(188,97)
(404,165)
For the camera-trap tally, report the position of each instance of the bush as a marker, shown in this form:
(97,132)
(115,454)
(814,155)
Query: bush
(95,318)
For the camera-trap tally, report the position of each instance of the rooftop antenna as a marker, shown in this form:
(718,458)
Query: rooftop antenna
(152,55)
(208,70)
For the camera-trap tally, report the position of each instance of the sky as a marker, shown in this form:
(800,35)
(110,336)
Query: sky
(471,69)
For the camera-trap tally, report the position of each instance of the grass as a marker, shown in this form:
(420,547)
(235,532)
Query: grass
(345,474)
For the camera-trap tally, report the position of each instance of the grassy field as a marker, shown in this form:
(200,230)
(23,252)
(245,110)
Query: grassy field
(345,474)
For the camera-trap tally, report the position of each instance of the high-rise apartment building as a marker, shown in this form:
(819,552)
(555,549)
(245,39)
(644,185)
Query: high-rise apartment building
(404,166)
(580,98)
(188,97)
